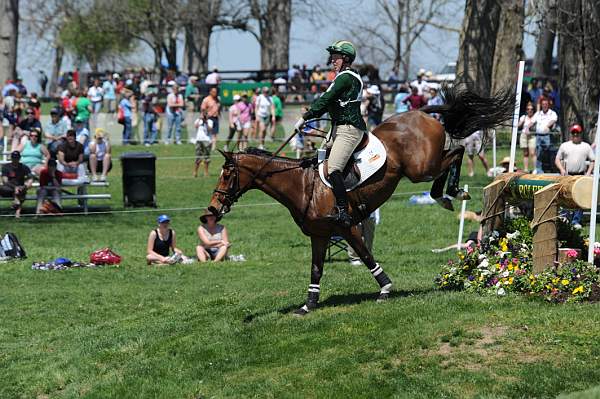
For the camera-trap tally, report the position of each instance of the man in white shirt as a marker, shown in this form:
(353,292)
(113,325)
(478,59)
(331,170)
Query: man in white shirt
(213,78)
(265,114)
(571,160)
(545,120)
(421,85)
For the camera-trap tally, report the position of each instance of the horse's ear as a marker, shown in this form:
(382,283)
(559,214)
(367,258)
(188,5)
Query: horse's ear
(226,155)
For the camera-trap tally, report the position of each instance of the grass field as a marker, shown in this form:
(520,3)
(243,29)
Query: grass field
(225,330)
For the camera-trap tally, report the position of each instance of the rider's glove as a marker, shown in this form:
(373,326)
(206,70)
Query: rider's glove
(299,125)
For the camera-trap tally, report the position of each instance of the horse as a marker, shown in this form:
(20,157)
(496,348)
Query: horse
(415,145)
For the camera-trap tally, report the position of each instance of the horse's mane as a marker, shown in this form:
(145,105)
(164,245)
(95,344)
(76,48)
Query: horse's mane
(265,154)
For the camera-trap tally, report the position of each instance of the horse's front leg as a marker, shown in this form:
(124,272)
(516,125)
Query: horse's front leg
(354,239)
(319,247)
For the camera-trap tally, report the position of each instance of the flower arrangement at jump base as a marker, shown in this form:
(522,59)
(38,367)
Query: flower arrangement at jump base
(503,264)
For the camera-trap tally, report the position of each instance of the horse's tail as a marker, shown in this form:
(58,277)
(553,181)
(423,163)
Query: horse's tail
(465,112)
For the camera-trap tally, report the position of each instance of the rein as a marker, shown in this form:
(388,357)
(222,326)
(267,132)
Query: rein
(234,193)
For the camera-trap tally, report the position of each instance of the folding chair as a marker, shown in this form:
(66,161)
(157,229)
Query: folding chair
(335,246)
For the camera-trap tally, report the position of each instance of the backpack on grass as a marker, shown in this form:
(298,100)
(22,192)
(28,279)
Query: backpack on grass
(11,247)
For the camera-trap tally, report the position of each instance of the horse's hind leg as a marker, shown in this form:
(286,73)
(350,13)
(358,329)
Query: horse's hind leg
(354,239)
(319,247)
(451,165)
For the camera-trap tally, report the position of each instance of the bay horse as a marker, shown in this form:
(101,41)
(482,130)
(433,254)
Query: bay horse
(414,142)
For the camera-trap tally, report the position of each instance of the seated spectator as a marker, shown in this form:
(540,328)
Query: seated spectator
(70,158)
(16,180)
(24,127)
(33,153)
(161,242)
(82,135)
(571,159)
(399,104)
(50,181)
(100,156)
(214,242)
(56,131)
(203,142)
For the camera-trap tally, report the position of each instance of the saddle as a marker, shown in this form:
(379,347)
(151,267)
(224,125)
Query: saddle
(351,171)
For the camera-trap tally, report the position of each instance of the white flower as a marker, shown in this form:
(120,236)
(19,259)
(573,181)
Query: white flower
(467,284)
(505,274)
(501,292)
(498,284)
(510,236)
(481,256)
(484,264)
(485,272)
(453,270)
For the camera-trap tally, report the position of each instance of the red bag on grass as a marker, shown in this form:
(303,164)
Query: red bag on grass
(104,256)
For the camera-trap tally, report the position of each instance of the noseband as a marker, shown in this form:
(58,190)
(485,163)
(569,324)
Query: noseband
(233,192)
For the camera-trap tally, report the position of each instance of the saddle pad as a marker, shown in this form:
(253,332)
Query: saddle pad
(369,160)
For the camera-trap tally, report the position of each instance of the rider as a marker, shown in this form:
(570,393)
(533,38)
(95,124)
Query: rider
(342,102)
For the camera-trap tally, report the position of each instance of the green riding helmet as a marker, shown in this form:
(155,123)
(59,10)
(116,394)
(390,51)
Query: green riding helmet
(343,47)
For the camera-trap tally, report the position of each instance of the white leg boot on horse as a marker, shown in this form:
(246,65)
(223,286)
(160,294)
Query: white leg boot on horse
(319,248)
(355,240)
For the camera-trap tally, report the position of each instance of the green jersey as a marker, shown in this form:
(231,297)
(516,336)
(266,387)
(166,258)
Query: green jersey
(341,101)
(278,106)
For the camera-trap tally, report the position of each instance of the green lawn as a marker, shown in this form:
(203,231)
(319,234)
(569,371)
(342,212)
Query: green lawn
(206,330)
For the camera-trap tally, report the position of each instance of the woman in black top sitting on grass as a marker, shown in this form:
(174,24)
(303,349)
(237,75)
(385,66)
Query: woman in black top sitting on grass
(160,242)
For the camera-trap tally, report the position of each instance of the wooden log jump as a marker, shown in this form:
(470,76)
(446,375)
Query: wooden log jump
(547,192)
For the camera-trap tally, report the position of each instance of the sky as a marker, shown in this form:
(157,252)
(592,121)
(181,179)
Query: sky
(234,50)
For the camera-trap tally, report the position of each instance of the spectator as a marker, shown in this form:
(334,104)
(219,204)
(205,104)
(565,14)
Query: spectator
(213,78)
(317,75)
(100,155)
(50,181)
(571,160)
(8,87)
(399,104)
(546,95)
(393,79)
(525,100)
(25,127)
(34,154)
(126,110)
(420,83)
(20,86)
(212,106)
(55,132)
(43,82)
(473,146)
(70,157)
(191,97)
(174,114)
(299,142)
(535,91)
(203,127)
(527,139)
(367,231)
(245,120)
(83,106)
(161,242)
(16,180)
(109,88)
(82,134)
(96,95)
(150,119)
(214,241)
(375,106)
(265,115)
(415,100)
(35,105)
(434,99)
(278,104)
(234,121)
(545,119)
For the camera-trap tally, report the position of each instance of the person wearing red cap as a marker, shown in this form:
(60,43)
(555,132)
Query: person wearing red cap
(572,159)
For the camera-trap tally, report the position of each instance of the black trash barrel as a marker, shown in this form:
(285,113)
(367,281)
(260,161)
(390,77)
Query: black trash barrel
(139,179)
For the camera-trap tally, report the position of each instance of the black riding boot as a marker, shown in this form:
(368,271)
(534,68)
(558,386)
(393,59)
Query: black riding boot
(453,179)
(340,214)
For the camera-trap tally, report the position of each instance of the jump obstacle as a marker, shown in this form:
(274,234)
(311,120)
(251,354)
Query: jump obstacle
(547,192)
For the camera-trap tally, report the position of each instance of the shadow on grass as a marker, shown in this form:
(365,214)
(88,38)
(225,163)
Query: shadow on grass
(344,300)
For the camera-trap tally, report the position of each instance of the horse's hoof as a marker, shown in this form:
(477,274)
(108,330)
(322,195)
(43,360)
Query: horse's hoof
(303,311)
(383,297)
(445,203)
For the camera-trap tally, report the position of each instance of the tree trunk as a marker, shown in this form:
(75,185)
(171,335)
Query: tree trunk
(578,49)
(406,60)
(59,52)
(197,44)
(509,44)
(542,61)
(477,44)
(9,32)
(275,35)
(189,60)
(398,26)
